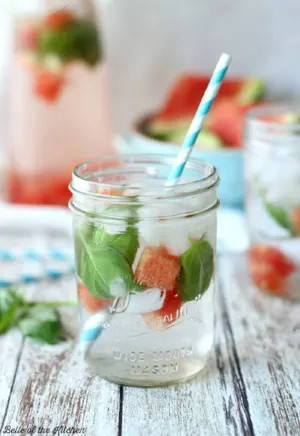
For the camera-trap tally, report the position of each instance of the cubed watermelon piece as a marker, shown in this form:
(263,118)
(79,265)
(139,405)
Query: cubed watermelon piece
(295,219)
(269,268)
(59,19)
(91,303)
(27,35)
(110,192)
(157,268)
(170,311)
(48,85)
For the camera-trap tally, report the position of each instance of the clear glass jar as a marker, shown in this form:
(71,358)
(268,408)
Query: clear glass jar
(59,112)
(273,198)
(147,252)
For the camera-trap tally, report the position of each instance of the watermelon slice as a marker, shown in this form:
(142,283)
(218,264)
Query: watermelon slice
(170,311)
(91,303)
(225,121)
(157,268)
(48,85)
(59,19)
(175,132)
(184,97)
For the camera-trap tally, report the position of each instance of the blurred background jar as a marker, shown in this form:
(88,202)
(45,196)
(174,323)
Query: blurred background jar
(273,198)
(58,105)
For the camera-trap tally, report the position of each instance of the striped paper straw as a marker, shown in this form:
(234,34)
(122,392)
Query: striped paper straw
(94,325)
(199,118)
(93,328)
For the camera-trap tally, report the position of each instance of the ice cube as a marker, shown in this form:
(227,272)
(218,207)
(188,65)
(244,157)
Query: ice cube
(146,301)
(291,248)
(117,288)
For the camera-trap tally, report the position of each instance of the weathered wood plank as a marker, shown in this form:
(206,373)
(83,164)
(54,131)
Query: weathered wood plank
(52,386)
(267,338)
(11,345)
(212,404)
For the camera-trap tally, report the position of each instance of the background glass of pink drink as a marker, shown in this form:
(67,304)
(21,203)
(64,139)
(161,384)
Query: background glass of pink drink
(58,100)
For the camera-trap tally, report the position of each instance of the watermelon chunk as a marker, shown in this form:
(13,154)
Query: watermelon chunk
(28,35)
(48,85)
(157,268)
(165,316)
(295,219)
(269,268)
(59,19)
(91,303)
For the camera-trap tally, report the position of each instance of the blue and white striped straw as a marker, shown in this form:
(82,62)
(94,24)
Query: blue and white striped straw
(94,326)
(199,118)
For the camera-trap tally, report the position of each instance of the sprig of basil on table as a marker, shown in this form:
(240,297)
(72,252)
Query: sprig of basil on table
(36,320)
(197,266)
(10,305)
(41,322)
(280,216)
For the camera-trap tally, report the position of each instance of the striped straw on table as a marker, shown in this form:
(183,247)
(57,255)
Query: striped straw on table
(199,118)
(94,325)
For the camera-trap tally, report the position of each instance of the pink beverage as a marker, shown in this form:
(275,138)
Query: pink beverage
(59,107)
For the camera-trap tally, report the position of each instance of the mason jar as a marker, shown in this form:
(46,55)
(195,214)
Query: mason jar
(145,261)
(273,198)
(58,104)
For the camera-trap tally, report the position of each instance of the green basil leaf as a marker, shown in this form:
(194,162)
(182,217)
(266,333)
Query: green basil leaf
(99,266)
(125,243)
(280,216)
(77,40)
(41,322)
(10,305)
(197,266)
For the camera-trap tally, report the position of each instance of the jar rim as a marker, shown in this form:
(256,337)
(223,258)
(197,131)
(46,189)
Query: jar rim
(81,184)
(254,118)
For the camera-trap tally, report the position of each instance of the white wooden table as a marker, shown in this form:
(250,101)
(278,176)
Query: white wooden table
(251,385)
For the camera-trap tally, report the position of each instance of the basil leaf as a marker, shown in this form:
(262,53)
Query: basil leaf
(99,266)
(125,243)
(197,265)
(77,40)
(41,322)
(280,216)
(10,304)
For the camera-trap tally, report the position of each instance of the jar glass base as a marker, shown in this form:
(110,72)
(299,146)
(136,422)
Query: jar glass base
(187,374)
